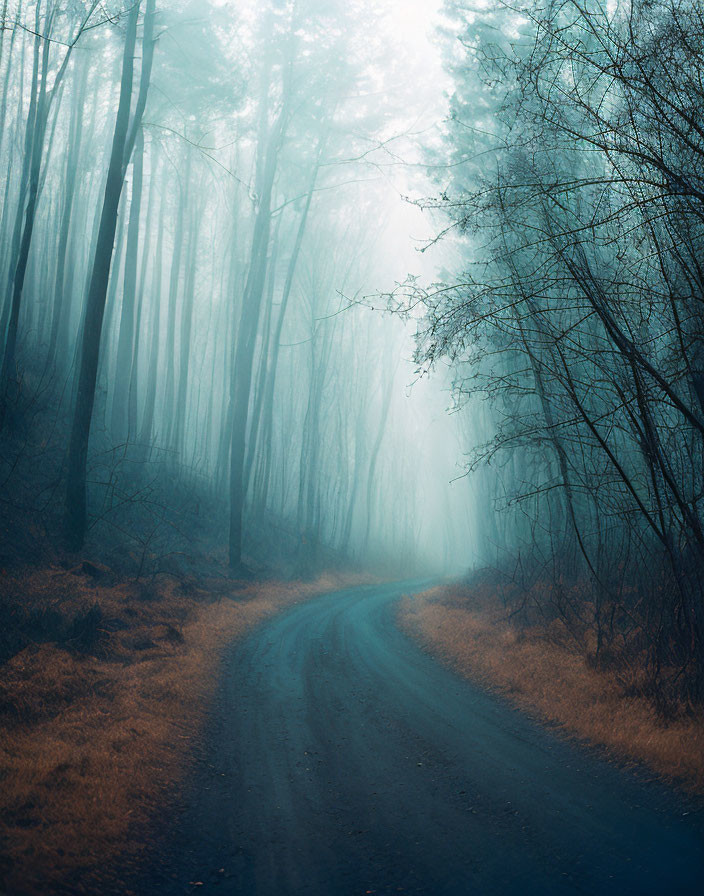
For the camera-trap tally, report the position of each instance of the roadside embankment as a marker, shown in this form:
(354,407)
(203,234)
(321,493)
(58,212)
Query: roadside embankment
(104,686)
(541,671)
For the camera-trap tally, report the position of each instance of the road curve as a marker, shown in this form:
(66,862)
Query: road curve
(342,760)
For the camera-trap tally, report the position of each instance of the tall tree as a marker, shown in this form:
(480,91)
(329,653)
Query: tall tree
(124,138)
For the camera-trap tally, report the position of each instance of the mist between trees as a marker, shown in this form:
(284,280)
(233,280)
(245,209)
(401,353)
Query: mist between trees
(193,220)
(202,200)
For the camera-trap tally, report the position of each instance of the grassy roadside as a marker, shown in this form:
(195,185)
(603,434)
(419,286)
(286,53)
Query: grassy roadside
(537,669)
(96,719)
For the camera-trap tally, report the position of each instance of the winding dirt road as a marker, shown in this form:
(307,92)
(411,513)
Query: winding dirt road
(341,760)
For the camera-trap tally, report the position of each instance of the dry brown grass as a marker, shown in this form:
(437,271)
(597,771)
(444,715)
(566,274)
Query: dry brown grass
(543,673)
(90,744)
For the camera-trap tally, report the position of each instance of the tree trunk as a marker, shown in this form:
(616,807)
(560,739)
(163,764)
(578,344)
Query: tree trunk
(133,397)
(146,433)
(172,306)
(241,382)
(26,204)
(267,411)
(71,174)
(186,327)
(76,510)
(125,342)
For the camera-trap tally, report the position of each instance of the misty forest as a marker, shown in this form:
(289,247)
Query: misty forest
(351,380)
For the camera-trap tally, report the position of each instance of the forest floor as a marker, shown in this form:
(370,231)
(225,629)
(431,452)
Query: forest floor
(104,684)
(540,670)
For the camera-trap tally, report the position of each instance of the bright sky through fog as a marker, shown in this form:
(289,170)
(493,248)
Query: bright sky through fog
(414,19)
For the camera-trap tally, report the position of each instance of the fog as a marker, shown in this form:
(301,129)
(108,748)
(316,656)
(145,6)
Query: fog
(207,207)
(375,284)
